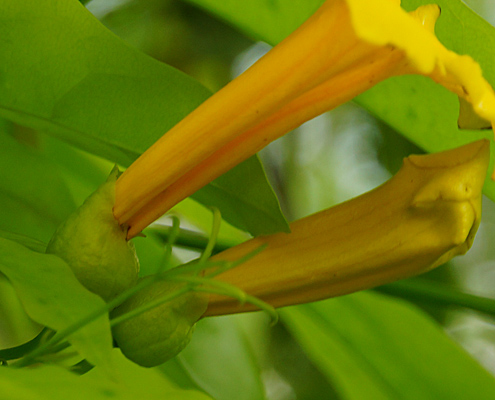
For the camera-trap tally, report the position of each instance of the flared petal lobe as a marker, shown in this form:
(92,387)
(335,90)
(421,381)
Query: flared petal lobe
(426,214)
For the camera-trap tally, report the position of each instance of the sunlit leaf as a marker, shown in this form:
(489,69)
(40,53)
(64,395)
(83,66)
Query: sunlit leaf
(76,80)
(26,241)
(220,359)
(143,383)
(371,346)
(17,327)
(33,195)
(201,217)
(82,171)
(254,213)
(266,20)
(53,296)
(31,384)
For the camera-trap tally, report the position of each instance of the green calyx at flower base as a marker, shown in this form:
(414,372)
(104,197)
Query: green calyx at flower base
(345,48)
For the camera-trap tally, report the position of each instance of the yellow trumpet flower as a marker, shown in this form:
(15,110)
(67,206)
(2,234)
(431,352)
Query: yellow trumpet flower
(425,215)
(345,48)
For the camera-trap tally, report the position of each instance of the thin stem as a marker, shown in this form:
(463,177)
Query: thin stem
(197,281)
(431,292)
(236,263)
(215,229)
(218,287)
(248,299)
(190,239)
(171,239)
(214,267)
(195,267)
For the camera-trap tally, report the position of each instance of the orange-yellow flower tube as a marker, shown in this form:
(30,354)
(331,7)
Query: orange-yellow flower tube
(425,215)
(345,48)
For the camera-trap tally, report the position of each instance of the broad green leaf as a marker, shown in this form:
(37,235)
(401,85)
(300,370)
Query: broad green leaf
(422,111)
(267,20)
(220,359)
(144,383)
(175,372)
(17,327)
(52,296)
(34,197)
(31,384)
(253,213)
(374,347)
(201,218)
(83,172)
(76,80)
(26,241)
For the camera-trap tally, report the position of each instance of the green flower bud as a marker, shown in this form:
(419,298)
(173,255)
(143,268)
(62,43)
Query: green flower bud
(95,246)
(153,337)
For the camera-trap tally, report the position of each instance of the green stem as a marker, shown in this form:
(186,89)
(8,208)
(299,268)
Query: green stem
(215,230)
(191,240)
(172,237)
(218,287)
(431,292)
(235,263)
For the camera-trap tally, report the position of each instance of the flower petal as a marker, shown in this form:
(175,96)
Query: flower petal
(425,215)
(382,23)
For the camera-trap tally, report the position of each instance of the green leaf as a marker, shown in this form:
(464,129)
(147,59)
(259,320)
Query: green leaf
(226,372)
(258,213)
(132,384)
(416,107)
(266,20)
(34,197)
(26,241)
(201,217)
(53,296)
(374,347)
(82,171)
(144,383)
(17,327)
(76,80)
